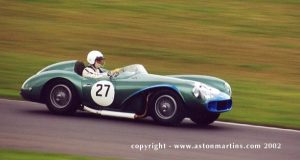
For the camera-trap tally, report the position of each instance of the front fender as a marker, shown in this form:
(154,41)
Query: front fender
(215,82)
(152,88)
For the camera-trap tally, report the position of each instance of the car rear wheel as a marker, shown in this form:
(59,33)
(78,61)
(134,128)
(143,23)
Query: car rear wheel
(204,118)
(61,98)
(167,108)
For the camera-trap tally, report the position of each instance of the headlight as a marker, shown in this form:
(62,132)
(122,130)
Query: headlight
(227,86)
(196,91)
(204,91)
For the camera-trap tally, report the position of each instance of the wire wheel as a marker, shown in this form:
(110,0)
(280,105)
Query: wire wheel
(165,106)
(60,96)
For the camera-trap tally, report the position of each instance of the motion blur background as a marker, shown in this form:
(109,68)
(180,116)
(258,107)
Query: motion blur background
(252,44)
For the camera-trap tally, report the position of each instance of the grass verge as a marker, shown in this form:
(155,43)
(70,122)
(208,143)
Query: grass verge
(27,155)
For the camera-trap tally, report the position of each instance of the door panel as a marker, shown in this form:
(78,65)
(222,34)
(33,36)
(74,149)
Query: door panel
(98,93)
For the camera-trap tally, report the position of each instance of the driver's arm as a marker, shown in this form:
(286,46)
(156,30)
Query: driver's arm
(87,72)
(115,71)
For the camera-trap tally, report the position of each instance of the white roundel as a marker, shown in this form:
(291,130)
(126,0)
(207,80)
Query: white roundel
(103,93)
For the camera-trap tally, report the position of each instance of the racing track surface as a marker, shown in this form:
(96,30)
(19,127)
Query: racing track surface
(26,125)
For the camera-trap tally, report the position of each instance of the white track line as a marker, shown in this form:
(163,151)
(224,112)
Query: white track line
(255,126)
(10,100)
(218,122)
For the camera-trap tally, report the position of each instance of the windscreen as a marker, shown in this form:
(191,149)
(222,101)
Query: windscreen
(130,71)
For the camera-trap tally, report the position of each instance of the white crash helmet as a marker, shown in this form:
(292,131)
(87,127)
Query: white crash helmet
(92,55)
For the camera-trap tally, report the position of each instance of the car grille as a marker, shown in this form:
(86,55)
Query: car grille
(220,106)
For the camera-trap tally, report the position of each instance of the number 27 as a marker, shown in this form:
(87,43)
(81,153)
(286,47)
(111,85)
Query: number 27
(100,89)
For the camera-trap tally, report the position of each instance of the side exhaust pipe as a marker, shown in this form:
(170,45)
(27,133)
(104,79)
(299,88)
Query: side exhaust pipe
(119,114)
(111,113)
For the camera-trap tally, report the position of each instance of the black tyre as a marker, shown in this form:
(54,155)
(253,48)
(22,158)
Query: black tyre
(205,118)
(61,98)
(167,108)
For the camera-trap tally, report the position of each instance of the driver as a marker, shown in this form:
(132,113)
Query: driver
(95,68)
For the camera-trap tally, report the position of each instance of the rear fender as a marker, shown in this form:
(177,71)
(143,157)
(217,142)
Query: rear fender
(52,77)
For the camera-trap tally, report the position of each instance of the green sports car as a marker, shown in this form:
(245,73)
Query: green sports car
(131,92)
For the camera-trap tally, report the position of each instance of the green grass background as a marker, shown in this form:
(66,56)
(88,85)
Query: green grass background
(29,155)
(254,45)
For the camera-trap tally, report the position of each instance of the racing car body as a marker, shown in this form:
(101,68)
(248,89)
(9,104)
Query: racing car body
(131,92)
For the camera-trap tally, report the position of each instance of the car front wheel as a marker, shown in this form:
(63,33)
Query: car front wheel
(62,99)
(167,108)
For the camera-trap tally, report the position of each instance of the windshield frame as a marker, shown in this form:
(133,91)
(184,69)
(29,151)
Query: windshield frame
(129,71)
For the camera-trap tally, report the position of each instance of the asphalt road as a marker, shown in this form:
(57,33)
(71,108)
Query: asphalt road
(29,126)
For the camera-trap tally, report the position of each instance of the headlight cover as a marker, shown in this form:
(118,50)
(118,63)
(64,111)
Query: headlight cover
(204,91)
(227,86)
